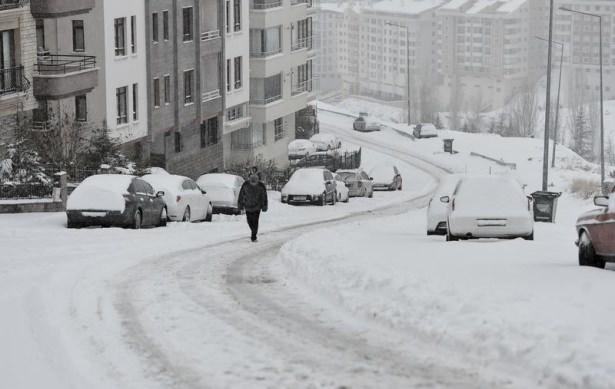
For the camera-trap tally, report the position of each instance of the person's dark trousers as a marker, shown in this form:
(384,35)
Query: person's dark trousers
(253,222)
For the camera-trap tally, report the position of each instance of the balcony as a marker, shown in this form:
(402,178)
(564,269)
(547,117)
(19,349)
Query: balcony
(58,76)
(211,101)
(301,87)
(13,80)
(303,43)
(265,4)
(265,100)
(60,8)
(265,54)
(10,4)
(211,42)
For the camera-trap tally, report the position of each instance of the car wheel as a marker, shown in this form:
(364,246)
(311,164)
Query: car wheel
(587,253)
(371,194)
(529,237)
(451,238)
(210,212)
(333,198)
(137,220)
(323,199)
(186,217)
(163,218)
(71,224)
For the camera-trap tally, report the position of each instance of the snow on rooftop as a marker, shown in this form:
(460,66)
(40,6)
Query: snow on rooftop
(411,7)
(478,6)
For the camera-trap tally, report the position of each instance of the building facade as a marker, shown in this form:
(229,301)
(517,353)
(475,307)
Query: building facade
(185,84)
(17,61)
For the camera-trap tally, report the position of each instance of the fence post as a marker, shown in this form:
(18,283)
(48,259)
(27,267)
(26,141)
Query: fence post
(60,190)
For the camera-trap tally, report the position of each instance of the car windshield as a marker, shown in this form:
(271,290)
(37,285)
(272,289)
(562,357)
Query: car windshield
(307,175)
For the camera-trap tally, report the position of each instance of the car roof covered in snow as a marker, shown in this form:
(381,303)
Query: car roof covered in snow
(494,192)
(220,179)
(117,183)
(165,181)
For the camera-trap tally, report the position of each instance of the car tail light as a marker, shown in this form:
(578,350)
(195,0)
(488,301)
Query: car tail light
(178,199)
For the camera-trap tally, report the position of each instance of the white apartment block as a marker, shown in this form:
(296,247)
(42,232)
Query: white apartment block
(91,66)
(281,78)
(237,73)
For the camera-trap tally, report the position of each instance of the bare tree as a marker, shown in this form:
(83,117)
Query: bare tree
(455,104)
(524,112)
(475,111)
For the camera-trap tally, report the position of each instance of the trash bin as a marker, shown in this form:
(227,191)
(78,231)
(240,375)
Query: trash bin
(545,206)
(448,145)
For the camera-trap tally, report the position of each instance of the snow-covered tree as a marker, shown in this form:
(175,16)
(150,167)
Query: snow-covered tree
(102,149)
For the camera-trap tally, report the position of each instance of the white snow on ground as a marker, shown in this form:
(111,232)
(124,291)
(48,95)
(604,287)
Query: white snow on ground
(59,326)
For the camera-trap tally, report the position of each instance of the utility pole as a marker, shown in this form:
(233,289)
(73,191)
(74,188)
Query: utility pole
(559,89)
(545,158)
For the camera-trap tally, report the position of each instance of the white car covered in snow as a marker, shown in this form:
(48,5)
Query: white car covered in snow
(489,207)
(437,211)
(425,130)
(223,191)
(310,186)
(343,193)
(300,148)
(185,201)
(324,142)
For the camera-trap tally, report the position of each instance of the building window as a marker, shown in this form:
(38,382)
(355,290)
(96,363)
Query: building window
(278,125)
(133,34)
(78,36)
(228,75)
(178,142)
(234,113)
(188,24)
(156,92)
(188,86)
(237,72)
(40,34)
(209,132)
(167,89)
(81,108)
(122,109)
(237,14)
(135,102)
(155,27)
(228,15)
(120,37)
(165,25)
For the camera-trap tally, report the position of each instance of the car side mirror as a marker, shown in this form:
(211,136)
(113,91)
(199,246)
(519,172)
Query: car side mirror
(601,201)
(445,199)
(160,194)
(203,191)
(530,198)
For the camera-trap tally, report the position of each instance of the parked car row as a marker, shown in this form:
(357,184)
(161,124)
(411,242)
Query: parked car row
(466,207)
(301,148)
(152,200)
(320,186)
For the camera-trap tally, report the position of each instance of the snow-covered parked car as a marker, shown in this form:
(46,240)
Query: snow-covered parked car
(185,201)
(425,130)
(115,200)
(489,207)
(324,142)
(310,186)
(300,148)
(223,191)
(358,182)
(386,177)
(364,124)
(596,233)
(343,194)
(437,210)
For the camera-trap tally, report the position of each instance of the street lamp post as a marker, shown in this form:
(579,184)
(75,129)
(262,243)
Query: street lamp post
(407,67)
(545,158)
(602,172)
(559,89)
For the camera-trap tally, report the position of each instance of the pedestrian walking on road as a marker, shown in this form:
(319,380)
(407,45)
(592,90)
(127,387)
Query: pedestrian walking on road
(253,198)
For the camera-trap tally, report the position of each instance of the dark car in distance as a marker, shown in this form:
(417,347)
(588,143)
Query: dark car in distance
(115,200)
(596,233)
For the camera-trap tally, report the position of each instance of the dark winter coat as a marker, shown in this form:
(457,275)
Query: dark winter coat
(253,198)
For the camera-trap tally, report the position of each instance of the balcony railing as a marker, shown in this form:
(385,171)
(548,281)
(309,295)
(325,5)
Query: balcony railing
(300,87)
(13,80)
(263,54)
(265,100)
(64,64)
(266,4)
(302,43)
(297,2)
(209,35)
(210,96)
(10,4)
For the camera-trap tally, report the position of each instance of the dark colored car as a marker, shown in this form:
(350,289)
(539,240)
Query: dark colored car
(115,200)
(386,177)
(358,183)
(596,233)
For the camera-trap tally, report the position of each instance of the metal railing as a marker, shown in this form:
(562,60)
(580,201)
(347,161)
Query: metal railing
(266,4)
(263,54)
(10,4)
(211,95)
(303,86)
(13,80)
(64,63)
(209,35)
(297,2)
(266,100)
(246,146)
(302,43)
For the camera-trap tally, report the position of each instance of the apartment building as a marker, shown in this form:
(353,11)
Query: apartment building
(237,73)
(90,60)
(281,78)
(17,59)
(185,84)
